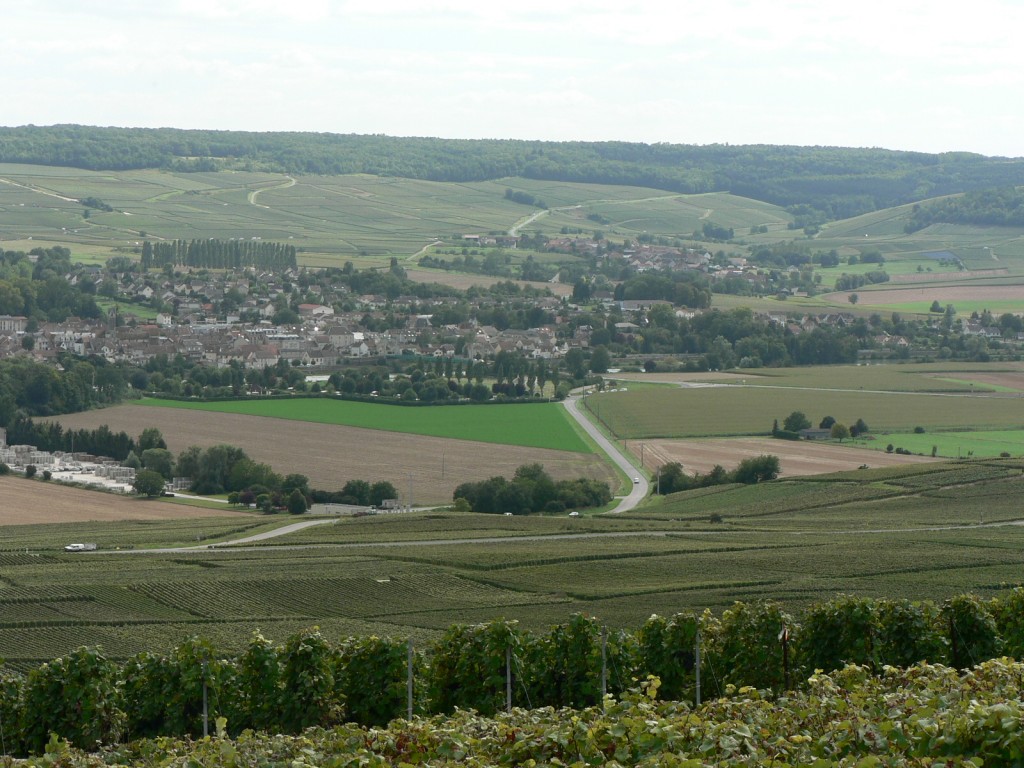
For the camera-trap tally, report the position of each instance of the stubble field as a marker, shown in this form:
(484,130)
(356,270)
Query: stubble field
(330,455)
(27,502)
(795,458)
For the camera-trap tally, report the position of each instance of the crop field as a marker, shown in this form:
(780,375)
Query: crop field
(795,457)
(331,454)
(910,377)
(723,411)
(27,502)
(541,425)
(923,532)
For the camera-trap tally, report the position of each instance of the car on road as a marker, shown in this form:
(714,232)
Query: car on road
(636,481)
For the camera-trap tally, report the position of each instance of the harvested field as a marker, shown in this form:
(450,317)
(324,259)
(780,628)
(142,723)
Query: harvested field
(27,502)
(1010,379)
(330,455)
(795,458)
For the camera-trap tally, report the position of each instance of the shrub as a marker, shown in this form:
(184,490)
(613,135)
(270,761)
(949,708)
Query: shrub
(30,471)
(918,430)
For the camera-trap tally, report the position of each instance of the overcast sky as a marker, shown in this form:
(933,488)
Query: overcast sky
(903,74)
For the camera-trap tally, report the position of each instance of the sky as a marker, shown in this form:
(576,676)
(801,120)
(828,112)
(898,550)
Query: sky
(903,74)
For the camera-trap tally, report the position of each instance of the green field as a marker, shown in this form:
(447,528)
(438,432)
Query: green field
(982,444)
(535,425)
(906,531)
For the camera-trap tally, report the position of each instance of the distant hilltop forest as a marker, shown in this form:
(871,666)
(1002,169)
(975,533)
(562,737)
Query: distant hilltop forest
(815,183)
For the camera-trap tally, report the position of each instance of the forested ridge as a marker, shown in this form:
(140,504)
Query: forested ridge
(818,182)
(990,207)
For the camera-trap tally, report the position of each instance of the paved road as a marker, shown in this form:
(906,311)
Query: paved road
(640,490)
(277,531)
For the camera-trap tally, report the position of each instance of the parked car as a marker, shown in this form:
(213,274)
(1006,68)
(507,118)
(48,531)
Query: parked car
(79,547)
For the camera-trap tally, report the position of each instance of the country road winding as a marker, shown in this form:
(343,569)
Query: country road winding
(640,487)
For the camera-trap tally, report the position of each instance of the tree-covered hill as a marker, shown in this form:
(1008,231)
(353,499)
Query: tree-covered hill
(818,182)
(990,207)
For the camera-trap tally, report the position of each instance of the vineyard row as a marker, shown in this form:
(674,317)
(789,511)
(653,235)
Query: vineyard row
(89,699)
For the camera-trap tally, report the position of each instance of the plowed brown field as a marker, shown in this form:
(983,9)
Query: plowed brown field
(24,502)
(331,455)
(804,457)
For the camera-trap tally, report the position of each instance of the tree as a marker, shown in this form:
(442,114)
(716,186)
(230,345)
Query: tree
(356,492)
(600,360)
(296,502)
(159,460)
(840,431)
(827,423)
(796,421)
(853,298)
(30,471)
(859,428)
(151,438)
(672,479)
(132,461)
(574,363)
(757,469)
(148,483)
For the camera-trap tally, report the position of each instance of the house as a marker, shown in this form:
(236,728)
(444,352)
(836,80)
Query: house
(12,323)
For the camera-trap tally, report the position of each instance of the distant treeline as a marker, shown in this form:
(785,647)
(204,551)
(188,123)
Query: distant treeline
(816,182)
(990,207)
(51,436)
(28,388)
(218,254)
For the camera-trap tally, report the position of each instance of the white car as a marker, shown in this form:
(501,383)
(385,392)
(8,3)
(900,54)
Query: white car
(636,481)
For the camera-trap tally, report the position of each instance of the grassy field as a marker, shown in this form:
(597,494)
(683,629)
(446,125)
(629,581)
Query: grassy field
(981,444)
(922,532)
(541,425)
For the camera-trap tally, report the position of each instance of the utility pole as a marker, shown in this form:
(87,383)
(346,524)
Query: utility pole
(696,655)
(409,681)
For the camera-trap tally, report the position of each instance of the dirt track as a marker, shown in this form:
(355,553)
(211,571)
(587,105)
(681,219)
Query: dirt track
(24,502)
(802,457)
(331,455)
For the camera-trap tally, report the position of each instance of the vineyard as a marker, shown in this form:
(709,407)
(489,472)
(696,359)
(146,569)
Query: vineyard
(927,532)
(751,662)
